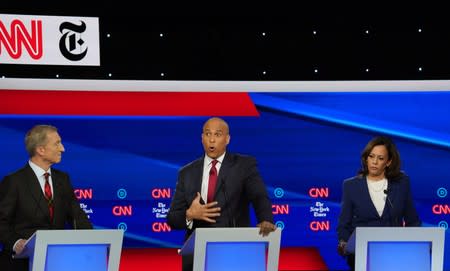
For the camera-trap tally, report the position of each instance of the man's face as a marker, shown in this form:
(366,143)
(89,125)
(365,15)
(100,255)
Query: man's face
(52,150)
(215,137)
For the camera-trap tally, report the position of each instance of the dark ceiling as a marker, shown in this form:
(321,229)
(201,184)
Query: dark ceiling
(277,43)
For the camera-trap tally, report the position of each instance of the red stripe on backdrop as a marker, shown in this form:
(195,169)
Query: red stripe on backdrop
(126,103)
(167,259)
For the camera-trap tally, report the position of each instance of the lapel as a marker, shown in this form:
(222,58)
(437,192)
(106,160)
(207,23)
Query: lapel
(225,168)
(197,176)
(368,200)
(36,191)
(57,194)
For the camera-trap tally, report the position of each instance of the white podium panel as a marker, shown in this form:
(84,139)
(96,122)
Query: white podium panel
(233,249)
(399,248)
(55,250)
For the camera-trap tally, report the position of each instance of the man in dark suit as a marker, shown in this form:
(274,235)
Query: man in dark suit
(36,197)
(196,204)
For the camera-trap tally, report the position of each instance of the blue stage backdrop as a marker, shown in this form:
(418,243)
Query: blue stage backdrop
(124,168)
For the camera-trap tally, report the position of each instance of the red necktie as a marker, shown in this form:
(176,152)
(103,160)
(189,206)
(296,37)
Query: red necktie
(48,195)
(212,180)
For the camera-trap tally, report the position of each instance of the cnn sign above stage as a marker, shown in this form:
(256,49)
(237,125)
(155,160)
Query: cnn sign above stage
(49,40)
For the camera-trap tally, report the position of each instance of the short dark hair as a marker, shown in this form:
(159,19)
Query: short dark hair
(391,172)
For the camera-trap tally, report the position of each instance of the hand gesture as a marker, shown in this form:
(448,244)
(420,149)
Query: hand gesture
(206,212)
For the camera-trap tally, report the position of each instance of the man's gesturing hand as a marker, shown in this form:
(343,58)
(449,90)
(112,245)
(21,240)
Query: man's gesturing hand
(206,212)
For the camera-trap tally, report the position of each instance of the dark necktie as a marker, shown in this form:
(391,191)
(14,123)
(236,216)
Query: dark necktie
(48,195)
(212,181)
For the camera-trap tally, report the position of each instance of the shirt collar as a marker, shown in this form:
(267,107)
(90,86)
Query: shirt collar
(208,159)
(38,170)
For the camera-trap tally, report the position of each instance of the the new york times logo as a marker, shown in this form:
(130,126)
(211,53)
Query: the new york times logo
(71,43)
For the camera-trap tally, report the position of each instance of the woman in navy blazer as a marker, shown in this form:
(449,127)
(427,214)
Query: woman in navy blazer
(379,196)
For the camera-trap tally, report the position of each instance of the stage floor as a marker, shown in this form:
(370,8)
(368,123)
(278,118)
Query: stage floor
(167,259)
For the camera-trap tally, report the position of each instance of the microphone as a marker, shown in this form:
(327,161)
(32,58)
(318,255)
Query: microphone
(224,190)
(387,191)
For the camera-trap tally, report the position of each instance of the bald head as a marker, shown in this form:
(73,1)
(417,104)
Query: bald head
(215,137)
(215,121)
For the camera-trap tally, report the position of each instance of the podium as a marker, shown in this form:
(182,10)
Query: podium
(56,250)
(399,248)
(233,249)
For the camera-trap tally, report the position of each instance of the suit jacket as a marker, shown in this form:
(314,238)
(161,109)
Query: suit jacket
(23,207)
(238,185)
(358,210)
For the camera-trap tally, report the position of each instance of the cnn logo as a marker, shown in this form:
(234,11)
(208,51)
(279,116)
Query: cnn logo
(18,37)
(316,192)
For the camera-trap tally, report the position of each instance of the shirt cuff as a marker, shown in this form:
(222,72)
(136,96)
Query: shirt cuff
(189,224)
(14,247)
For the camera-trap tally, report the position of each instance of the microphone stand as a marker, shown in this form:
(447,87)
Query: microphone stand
(391,207)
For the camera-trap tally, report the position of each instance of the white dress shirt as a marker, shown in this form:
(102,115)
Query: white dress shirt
(40,175)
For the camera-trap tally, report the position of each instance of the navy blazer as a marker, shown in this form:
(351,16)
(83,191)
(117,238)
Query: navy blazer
(238,185)
(358,210)
(23,207)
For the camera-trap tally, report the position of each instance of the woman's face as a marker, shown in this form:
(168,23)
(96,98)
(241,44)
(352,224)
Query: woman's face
(377,161)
